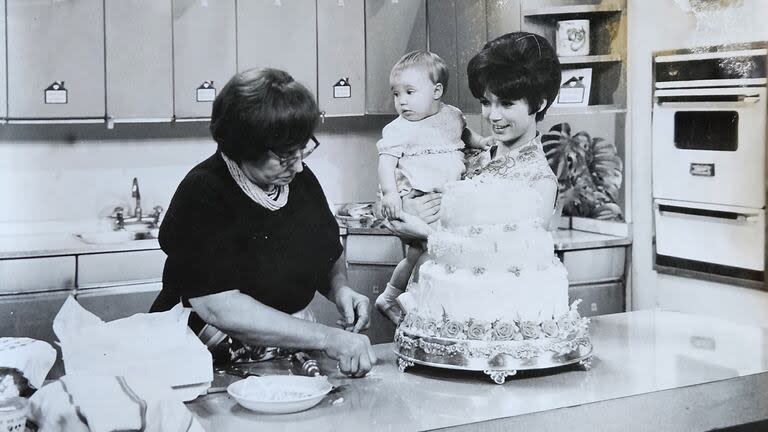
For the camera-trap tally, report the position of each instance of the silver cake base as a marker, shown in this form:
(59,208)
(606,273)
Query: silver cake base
(498,360)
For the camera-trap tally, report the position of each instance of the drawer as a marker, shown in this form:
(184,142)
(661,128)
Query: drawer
(595,265)
(119,301)
(120,268)
(37,274)
(374,249)
(598,299)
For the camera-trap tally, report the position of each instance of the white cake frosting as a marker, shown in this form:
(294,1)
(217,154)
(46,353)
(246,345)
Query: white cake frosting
(491,261)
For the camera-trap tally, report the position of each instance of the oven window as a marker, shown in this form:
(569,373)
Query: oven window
(707,130)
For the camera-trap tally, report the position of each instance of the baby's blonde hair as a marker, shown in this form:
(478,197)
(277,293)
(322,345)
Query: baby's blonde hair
(429,62)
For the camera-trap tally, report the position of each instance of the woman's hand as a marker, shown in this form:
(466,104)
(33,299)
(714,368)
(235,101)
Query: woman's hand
(354,307)
(409,226)
(426,207)
(391,205)
(353,351)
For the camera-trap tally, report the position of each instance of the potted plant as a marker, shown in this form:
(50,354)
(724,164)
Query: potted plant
(588,170)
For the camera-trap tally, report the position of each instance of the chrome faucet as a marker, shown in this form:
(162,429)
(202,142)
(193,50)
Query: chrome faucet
(136,194)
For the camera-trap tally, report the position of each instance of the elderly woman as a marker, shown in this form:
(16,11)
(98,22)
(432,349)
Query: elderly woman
(515,77)
(250,237)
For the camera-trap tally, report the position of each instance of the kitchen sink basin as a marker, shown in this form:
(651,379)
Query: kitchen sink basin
(111,237)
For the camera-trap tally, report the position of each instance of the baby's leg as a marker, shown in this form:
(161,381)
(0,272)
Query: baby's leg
(386,302)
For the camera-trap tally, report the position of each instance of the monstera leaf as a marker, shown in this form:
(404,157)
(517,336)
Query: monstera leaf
(589,172)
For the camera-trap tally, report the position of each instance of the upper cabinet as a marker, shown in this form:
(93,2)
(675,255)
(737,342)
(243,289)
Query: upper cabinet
(598,32)
(341,57)
(204,53)
(392,29)
(55,59)
(3,63)
(280,34)
(139,68)
(457,31)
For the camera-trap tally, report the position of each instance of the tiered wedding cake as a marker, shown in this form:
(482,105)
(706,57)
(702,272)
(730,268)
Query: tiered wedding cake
(493,296)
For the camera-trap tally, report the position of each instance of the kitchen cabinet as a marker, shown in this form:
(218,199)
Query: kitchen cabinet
(37,274)
(31,315)
(120,301)
(119,268)
(279,34)
(595,265)
(3,65)
(392,29)
(457,31)
(139,68)
(598,299)
(341,57)
(371,280)
(55,59)
(204,53)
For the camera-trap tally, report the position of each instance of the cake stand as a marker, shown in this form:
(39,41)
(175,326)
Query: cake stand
(497,359)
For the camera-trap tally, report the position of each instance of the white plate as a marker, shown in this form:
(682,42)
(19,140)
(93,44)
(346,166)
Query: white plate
(279,394)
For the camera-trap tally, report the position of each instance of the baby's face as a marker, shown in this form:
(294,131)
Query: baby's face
(415,94)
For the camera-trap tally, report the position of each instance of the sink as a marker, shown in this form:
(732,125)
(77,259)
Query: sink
(112,237)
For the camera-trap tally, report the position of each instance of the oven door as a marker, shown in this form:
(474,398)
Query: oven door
(710,238)
(709,145)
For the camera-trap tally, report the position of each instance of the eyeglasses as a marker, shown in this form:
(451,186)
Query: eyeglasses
(289,160)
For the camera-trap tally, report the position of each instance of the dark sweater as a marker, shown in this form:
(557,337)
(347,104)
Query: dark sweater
(217,239)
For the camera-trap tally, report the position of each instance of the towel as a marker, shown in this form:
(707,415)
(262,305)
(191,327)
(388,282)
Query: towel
(34,358)
(81,403)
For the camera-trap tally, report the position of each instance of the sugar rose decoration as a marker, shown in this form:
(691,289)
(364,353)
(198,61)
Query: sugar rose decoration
(530,330)
(503,331)
(430,327)
(452,329)
(477,330)
(566,325)
(549,327)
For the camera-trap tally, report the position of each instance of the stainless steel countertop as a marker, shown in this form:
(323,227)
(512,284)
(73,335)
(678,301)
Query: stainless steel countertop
(651,370)
(57,244)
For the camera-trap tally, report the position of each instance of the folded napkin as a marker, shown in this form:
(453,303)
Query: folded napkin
(34,358)
(157,346)
(79,403)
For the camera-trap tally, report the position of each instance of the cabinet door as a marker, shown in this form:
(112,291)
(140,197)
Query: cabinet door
(138,55)
(598,299)
(595,265)
(37,274)
(3,64)
(392,29)
(341,57)
(279,34)
(371,280)
(119,268)
(119,302)
(55,59)
(31,315)
(457,31)
(204,53)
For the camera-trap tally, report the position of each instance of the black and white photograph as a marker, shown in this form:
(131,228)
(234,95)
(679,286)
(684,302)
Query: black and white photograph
(383,215)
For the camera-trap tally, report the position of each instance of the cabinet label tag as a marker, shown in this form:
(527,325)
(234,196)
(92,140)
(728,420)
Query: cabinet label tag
(342,89)
(206,92)
(56,93)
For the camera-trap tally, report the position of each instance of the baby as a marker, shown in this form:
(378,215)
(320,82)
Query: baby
(419,152)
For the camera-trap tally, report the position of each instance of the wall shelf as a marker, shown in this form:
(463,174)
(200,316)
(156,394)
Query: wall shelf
(556,12)
(590,59)
(590,109)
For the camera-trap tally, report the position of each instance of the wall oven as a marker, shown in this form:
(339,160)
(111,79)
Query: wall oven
(709,162)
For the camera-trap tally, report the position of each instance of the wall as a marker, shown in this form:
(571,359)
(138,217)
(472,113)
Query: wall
(75,172)
(681,30)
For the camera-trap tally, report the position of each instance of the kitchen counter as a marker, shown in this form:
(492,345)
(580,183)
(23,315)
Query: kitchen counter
(651,370)
(57,244)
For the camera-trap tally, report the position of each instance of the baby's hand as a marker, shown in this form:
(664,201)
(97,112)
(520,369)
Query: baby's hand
(485,143)
(391,206)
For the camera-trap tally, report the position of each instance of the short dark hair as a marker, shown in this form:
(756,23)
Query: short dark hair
(432,64)
(260,110)
(518,65)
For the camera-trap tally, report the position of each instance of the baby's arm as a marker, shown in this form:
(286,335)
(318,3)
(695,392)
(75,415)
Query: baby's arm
(391,205)
(473,139)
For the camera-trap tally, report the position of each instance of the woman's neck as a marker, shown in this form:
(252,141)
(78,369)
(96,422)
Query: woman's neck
(510,146)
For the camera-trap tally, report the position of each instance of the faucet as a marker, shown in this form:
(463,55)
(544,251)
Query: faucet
(136,194)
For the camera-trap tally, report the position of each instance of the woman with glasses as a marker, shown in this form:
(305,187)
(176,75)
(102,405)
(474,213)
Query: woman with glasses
(250,237)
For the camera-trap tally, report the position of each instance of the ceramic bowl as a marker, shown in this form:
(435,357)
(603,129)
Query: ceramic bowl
(279,394)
